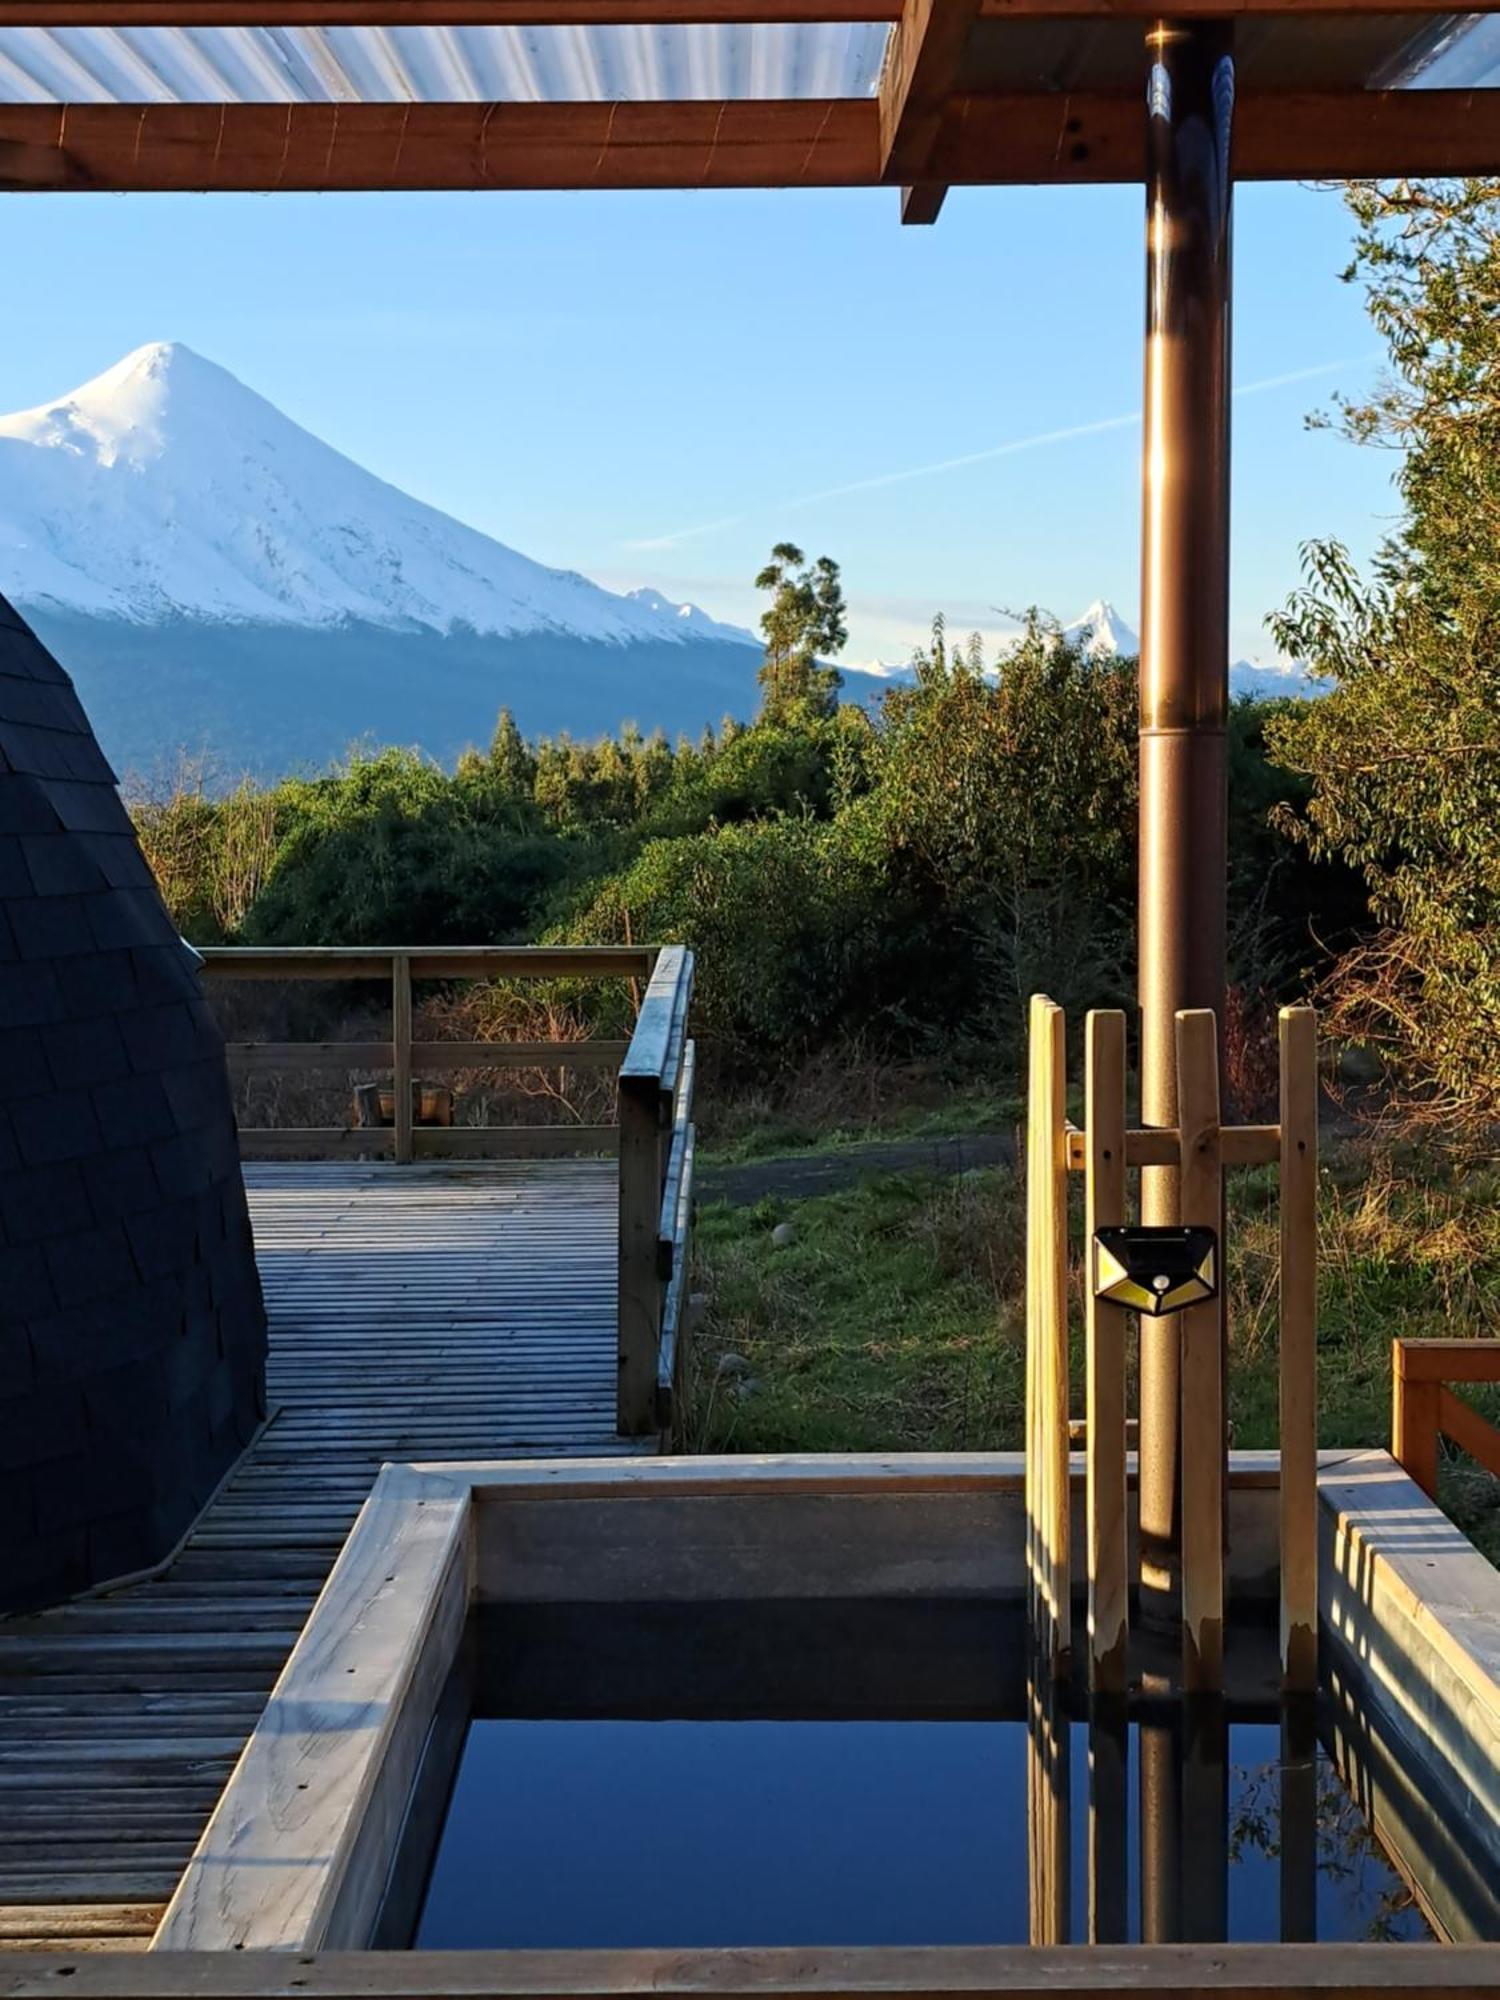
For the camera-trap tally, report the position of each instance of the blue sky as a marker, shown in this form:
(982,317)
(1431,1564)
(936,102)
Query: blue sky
(654,388)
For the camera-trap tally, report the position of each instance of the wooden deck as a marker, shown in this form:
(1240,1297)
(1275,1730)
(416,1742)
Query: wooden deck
(416,1312)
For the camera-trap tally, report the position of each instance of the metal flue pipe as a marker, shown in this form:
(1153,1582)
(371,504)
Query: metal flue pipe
(1184,651)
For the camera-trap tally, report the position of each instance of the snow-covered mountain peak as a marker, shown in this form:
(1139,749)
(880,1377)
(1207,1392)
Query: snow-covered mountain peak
(164,489)
(688,617)
(1103,633)
(133,410)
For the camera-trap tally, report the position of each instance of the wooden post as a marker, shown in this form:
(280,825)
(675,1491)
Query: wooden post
(1299,1349)
(1414,1421)
(640,1279)
(1047,1497)
(1202,1372)
(401,1053)
(1104,1441)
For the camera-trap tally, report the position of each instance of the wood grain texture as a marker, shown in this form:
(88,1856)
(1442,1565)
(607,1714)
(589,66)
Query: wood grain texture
(1299,1348)
(1048,1511)
(443,1313)
(1230,1972)
(923,67)
(1202,1184)
(340,1736)
(1411,1606)
(1105,1342)
(1080,138)
(1041,138)
(1447,1360)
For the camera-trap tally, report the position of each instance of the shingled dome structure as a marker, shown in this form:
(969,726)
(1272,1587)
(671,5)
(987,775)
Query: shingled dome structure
(132,1332)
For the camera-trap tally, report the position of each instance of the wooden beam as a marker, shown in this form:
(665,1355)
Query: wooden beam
(595,13)
(460,961)
(1447,1360)
(1057,137)
(430,13)
(831,142)
(1231,1972)
(317,147)
(1205,10)
(923,65)
(922,202)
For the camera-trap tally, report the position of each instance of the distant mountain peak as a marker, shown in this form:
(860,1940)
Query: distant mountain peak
(165,489)
(1103,633)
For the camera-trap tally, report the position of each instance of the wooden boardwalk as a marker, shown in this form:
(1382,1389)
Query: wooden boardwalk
(416,1312)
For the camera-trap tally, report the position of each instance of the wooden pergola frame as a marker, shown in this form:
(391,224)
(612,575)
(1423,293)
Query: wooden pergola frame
(923,132)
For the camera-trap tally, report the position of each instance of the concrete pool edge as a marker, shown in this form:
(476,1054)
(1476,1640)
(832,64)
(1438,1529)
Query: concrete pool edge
(299,1848)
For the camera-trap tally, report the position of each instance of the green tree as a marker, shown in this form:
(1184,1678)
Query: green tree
(511,762)
(1403,753)
(805,620)
(1006,805)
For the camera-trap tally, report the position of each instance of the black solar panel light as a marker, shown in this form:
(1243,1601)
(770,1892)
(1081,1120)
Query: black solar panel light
(1155,1269)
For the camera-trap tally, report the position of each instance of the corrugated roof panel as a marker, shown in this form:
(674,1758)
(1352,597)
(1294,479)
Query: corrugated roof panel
(608,64)
(1461,52)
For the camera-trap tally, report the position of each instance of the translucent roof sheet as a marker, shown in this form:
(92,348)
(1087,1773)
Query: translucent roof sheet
(306,65)
(1461,52)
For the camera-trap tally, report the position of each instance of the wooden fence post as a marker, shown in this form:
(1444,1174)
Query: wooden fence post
(1299,1349)
(1202,1372)
(401,1054)
(1104,1437)
(1048,1500)
(1414,1421)
(640,1280)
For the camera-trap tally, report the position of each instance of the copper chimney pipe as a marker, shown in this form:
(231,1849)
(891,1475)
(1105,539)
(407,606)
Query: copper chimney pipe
(1184,651)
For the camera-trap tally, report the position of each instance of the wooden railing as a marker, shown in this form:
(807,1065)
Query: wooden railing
(656,1196)
(404,1138)
(1424,1408)
(654,1137)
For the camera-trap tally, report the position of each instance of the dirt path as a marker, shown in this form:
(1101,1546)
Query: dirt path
(793,1176)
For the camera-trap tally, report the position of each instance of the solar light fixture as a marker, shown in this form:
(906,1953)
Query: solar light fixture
(1154,1268)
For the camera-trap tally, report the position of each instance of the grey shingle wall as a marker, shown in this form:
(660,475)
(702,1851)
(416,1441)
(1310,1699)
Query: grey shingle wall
(132,1332)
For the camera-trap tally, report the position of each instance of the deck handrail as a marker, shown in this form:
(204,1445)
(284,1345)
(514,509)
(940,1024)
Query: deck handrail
(654,1138)
(657,1138)
(457,961)
(1424,1408)
(404,1140)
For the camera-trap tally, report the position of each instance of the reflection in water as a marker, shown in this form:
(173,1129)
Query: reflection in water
(902,1823)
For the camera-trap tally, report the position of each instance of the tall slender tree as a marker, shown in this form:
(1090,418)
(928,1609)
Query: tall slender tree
(804,621)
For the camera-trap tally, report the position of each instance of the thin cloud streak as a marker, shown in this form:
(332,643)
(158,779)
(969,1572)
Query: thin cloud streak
(1037,441)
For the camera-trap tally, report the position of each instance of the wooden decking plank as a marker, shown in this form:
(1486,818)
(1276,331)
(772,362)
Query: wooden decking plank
(434,1312)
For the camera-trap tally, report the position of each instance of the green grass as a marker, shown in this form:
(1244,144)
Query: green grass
(894,1319)
(755,1131)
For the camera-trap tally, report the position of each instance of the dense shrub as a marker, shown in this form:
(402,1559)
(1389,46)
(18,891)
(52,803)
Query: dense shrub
(1403,755)
(787,923)
(903,882)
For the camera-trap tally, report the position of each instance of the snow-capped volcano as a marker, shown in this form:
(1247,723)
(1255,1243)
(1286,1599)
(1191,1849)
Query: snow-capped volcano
(1103,633)
(166,490)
